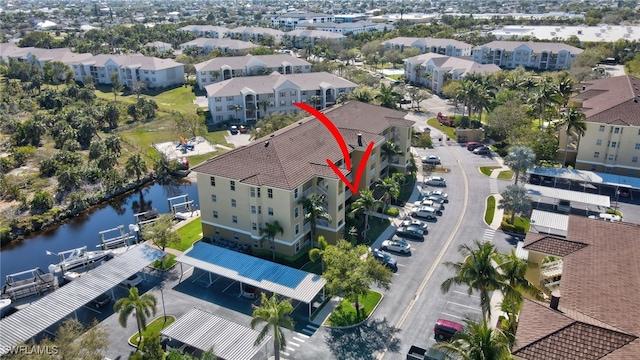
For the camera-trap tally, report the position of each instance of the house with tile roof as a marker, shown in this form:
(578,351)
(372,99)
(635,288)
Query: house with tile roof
(611,142)
(265,181)
(224,68)
(434,70)
(449,47)
(258,96)
(226,45)
(154,72)
(529,54)
(255,34)
(593,279)
(215,32)
(302,38)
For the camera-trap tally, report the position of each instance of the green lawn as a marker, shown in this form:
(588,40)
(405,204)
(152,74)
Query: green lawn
(376,227)
(491,209)
(153,328)
(449,131)
(505,175)
(176,99)
(168,263)
(487,170)
(523,222)
(189,234)
(345,313)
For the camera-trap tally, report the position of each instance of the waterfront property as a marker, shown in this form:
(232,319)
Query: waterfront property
(447,47)
(534,55)
(252,98)
(264,182)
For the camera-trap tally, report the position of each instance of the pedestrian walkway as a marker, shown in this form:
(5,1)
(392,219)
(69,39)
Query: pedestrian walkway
(324,313)
(497,215)
(488,235)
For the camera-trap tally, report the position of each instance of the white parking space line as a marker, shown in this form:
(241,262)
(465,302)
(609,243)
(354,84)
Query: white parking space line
(301,340)
(307,331)
(284,353)
(401,265)
(294,344)
(455,316)
(465,294)
(302,335)
(290,348)
(474,308)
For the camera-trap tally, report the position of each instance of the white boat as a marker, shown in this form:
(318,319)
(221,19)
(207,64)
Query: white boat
(27,283)
(78,258)
(5,305)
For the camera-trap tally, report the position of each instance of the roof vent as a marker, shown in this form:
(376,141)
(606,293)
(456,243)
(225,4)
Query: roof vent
(555,300)
(635,100)
(300,123)
(272,135)
(266,143)
(584,87)
(359,139)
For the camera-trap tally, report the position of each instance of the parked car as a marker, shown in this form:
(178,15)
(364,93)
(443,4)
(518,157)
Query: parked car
(610,217)
(473,145)
(438,193)
(233,129)
(132,281)
(416,223)
(436,181)
(444,330)
(482,150)
(242,129)
(431,160)
(101,300)
(425,212)
(436,199)
(396,245)
(430,203)
(385,259)
(249,292)
(410,232)
(405,101)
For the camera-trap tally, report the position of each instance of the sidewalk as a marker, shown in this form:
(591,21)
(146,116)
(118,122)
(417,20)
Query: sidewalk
(194,215)
(326,310)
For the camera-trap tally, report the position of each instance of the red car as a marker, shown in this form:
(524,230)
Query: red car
(444,330)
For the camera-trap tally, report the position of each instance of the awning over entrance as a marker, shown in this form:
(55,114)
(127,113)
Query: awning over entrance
(549,223)
(41,314)
(286,281)
(203,330)
(577,196)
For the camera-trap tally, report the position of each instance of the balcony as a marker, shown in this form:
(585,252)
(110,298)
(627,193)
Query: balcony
(307,192)
(384,163)
(322,222)
(306,227)
(551,270)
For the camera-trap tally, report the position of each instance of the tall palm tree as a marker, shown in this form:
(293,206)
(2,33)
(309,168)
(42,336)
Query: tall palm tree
(142,306)
(390,189)
(484,99)
(265,104)
(541,97)
(269,233)
(563,88)
(477,342)
(236,108)
(468,92)
(477,272)
(520,158)
(390,150)
(313,210)
(136,166)
(573,120)
(387,96)
(365,203)
(317,253)
(275,313)
(515,200)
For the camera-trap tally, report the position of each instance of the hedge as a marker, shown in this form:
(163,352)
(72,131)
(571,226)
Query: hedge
(506,227)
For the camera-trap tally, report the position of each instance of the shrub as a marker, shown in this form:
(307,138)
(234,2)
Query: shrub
(506,227)
(41,202)
(21,155)
(462,121)
(391,211)
(48,167)
(614,212)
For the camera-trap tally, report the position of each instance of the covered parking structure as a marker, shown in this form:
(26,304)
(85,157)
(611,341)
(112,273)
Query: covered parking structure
(54,307)
(203,331)
(587,177)
(568,195)
(286,281)
(549,223)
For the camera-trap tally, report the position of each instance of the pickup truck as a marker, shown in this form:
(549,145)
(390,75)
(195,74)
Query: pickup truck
(418,353)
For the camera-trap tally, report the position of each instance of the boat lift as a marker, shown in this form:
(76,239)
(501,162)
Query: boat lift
(146,217)
(18,286)
(181,207)
(121,240)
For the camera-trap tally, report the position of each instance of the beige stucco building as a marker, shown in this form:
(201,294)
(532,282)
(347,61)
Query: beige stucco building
(266,180)
(611,143)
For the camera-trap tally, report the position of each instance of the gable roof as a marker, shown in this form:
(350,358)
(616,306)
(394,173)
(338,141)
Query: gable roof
(239,62)
(136,60)
(534,46)
(220,43)
(462,65)
(316,34)
(427,42)
(614,100)
(256,30)
(298,152)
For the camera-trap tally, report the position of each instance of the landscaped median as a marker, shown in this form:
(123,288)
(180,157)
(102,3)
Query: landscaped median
(490,210)
(345,315)
(153,327)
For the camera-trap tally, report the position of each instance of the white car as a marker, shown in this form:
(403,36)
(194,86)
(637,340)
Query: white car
(431,160)
(424,212)
(396,245)
(435,181)
(417,223)
(441,194)
(132,281)
(609,217)
(430,203)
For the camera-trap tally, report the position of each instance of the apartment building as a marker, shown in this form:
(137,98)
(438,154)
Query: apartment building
(252,98)
(216,32)
(225,68)
(611,143)
(265,181)
(155,72)
(40,56)
(207,45)
(255,33)
(304,38)
(433,70)
(344,28)
(530,54)
(290,20)
(447,47)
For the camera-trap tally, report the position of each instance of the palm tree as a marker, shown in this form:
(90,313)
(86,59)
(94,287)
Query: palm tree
(236,108)
(390,189)
(317,253)
(541,97)
(484,99)
(143,306)
(136,166)
(468,92)
(264,103)
(477,272)
(515,200)
(573,120)
(313,210)
(520,158)
(387,96)
(116,86)
(315,99)
(563,89)
(275,313)
(390,150)
(477,342)
(269,233)
(365,203)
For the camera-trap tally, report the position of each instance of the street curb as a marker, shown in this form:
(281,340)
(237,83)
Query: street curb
(485,210)
(156,318)
(361,322)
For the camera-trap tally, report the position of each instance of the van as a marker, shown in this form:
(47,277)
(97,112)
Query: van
(426,212)
(473,145)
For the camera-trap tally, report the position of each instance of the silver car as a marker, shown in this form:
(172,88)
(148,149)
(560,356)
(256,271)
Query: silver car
(396,245)
(435,181)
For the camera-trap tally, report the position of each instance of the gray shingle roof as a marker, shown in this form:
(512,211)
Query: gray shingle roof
(614,100)
(239,62)
(315,34)
(221,43)
(428,41)
(137,60)
(534,46)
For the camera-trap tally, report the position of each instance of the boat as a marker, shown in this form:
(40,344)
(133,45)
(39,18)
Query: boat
(28,283)
(78,258)
(5,306)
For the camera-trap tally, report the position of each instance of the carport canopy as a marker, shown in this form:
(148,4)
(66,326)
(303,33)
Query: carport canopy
(548,222)
(592,177)
(574,196)
(203,330)
(47,311)
(280,279)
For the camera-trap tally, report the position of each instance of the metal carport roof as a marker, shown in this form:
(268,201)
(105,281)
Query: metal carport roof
(550,223)
(597,178)
(287,281)
(47,311)
(577,196)
(204,331)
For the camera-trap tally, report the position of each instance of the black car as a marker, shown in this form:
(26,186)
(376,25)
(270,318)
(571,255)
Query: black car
(385,259)
(101,300)
(410,232)
(482,150)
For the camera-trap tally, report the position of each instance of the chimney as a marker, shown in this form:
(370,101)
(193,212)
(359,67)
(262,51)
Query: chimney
(584,88)
(555,300)
(359,139)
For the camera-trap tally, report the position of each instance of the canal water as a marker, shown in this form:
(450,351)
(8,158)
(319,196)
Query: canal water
(83,229)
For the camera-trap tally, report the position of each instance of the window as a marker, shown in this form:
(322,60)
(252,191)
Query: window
(295,193)
(292,93)
(214,198)
(218,117)
(607,170)
(252,190)
(270,193)
(233,202)
(613,144)
(634,159)
(218,108)
(340,207)
(229,98)
(256,242)
(259,209)
(601,128)
(296,212)
(254,226)
(215,214)
(258,192)
(616,130)
(234,219)
(297,246)
(596,155)
(253,209)
(599,142)
(217,232)
(637,146)
(259,226)
(213,181)
(270,211)
(611,157)
(233,185)
(297,229)
(282,94)
(218,99)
